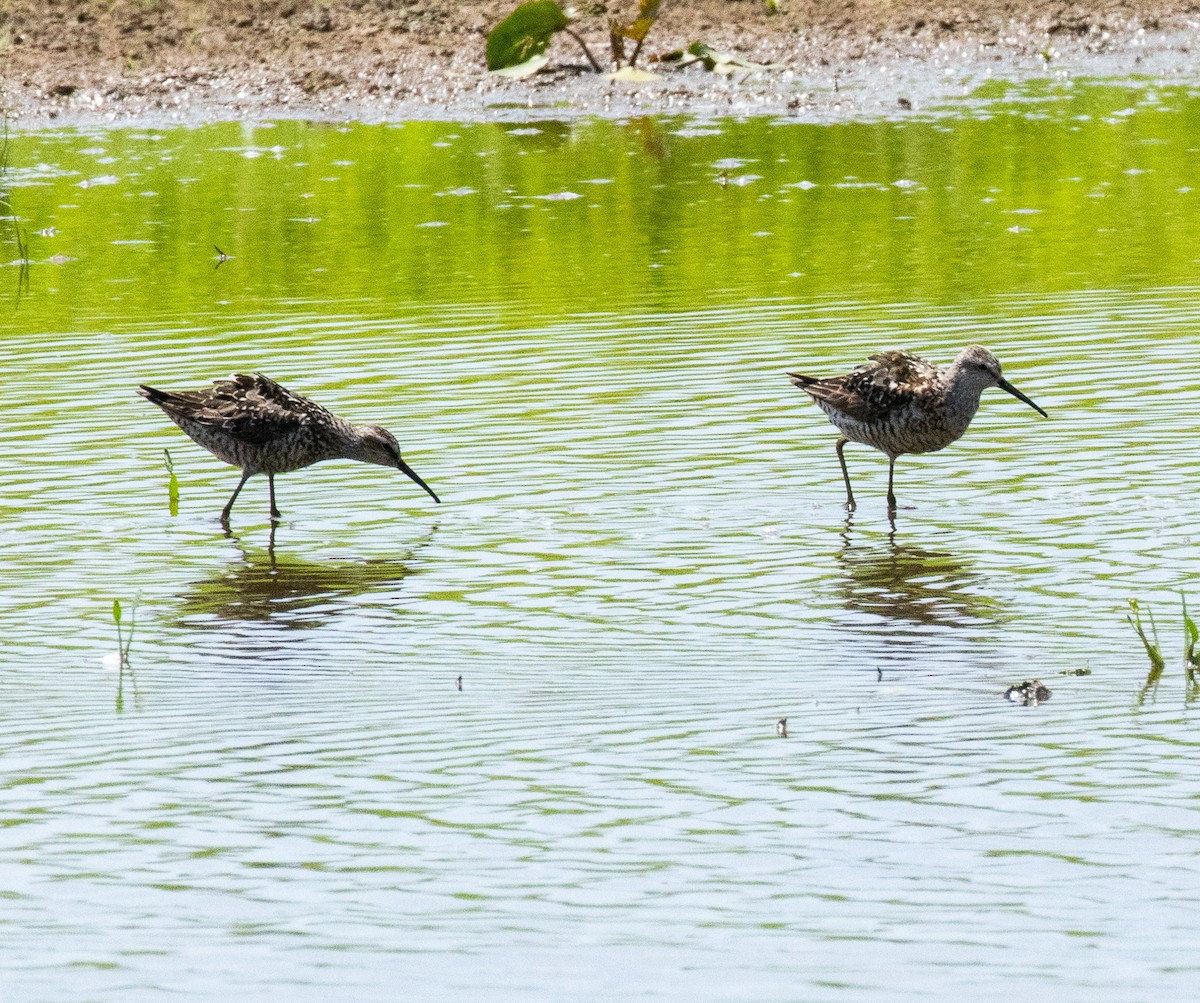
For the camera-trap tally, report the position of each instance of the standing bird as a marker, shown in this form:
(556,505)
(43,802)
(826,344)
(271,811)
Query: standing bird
(254,423)
(899,403)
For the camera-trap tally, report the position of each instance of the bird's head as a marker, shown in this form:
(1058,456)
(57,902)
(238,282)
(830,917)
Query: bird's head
(375,444)
(977,368)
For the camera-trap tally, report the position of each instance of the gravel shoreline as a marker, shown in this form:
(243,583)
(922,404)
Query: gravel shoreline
(105,62)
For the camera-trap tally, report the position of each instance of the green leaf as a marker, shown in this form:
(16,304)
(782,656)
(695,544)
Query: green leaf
(116,611)
(525,69)
(635,30)
(638,30)
(525,33)
(1191,635)
(724,63)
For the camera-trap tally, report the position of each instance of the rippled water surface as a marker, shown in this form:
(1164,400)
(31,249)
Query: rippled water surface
(578,333)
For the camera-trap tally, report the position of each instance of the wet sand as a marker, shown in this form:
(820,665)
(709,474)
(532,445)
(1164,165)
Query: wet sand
(84,62)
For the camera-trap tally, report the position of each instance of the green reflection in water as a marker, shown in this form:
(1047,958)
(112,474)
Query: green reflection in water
(1052,187)
(905,584)
(291,592)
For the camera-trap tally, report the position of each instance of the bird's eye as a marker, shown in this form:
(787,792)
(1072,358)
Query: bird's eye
(981,366)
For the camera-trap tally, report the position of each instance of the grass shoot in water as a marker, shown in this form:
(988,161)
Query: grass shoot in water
(172,485)
(1153,650)
(1191,656)
(123,643)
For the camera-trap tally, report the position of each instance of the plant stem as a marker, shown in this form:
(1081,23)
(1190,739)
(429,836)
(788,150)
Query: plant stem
(586,51)
(636,49)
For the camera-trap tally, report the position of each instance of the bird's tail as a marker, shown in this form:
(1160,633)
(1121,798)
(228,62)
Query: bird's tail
(165,399)
(802,381)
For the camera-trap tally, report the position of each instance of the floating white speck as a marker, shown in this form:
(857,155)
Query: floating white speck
(104,179)
(529,131)
(742,180)
(1024,212)
(558,197)
(460,191)
(904,183)
(1018,229)
(432,223)
(802,185)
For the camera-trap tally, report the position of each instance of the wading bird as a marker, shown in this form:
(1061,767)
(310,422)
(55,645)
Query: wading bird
(254,423)
(899,403)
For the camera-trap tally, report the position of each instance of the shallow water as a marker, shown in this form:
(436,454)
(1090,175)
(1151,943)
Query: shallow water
(578,333)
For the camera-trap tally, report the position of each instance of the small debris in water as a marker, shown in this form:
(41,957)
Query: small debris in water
(458,684)
(1029,693)
(781,727)
(1076,672)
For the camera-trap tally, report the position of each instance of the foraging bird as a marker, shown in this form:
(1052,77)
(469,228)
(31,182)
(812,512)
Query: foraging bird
(899,403)
(254,423)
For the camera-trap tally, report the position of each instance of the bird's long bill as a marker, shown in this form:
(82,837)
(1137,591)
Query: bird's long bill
(413,474)
(1005,385)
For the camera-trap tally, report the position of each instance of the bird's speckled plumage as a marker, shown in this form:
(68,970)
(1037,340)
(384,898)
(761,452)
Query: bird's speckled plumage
(899,403)
(254,423)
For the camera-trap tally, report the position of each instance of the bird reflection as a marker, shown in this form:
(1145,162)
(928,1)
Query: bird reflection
(902,582)
(290,592)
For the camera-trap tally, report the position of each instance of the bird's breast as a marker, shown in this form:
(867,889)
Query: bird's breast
(907,429)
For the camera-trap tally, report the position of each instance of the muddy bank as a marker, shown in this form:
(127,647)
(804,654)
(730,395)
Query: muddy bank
(100,61)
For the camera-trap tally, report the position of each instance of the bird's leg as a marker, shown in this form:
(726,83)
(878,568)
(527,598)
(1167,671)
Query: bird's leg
(841,444)
(232,498)
(271,484)
(891,494)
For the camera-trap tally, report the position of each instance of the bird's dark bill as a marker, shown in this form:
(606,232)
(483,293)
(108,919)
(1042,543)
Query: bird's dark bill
(413,474)
(1005,385)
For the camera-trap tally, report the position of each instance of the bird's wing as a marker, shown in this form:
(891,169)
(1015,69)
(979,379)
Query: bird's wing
(876,389)
(253,409)
(902,368)
(836,392)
